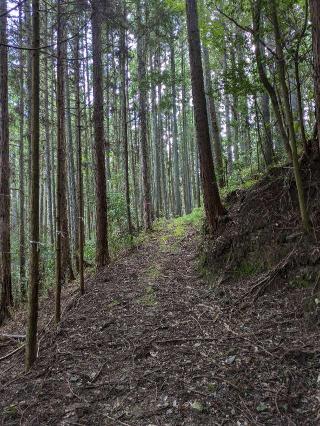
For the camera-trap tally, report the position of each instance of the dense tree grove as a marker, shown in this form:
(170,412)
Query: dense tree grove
(114,114)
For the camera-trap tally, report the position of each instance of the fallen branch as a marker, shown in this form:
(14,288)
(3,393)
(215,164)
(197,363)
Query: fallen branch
(19,337)
(184,340)
(12,353)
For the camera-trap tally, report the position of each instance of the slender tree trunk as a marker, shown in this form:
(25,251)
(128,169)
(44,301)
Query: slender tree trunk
(31,342)
(268,146)
(134,165)
(80,207)
(123,53)
(5,246)
(300,106)
(22,249)
(176,160)
(63,257)
(212,202)
(185,160)
(227,118)
(147,204)
(216,142)
(102,251)
(315,21)
(88,150)
(156,148)
(47,142)
(28,26)
(72,192)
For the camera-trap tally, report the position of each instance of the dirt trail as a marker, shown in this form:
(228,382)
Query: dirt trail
(150,344)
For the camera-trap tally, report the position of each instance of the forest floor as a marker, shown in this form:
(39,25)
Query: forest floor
(159,340)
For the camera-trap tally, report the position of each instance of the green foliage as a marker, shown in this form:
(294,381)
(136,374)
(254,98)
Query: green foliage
(176,6)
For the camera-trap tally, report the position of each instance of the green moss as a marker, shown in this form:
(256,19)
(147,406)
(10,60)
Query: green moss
(149,298)
(247,268)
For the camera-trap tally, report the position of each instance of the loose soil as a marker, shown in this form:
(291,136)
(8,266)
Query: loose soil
(157,340)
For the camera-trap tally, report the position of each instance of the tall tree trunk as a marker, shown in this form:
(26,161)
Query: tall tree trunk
(156,148)
(176,160)
(31,342)
(185,159)
(72,192)
(212,201)
(5,247)
(63,257)
(47,142)
(268,146)
(227,118)
(102,251)
(80,207)
(315,20)
(22,249)
(123,55)
(141,52)
(213,119)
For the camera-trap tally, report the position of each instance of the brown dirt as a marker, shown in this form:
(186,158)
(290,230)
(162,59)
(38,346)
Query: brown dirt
(154,343)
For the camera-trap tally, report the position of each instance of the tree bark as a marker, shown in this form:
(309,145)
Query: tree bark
(185,159)
(176,159)
(5,246)
(63,256)
(80,207)
(216,139)
(31,343)
(147,204)
(268,146)
(212,201)
(102,251)
(22,248)
(315,21)
(124,118)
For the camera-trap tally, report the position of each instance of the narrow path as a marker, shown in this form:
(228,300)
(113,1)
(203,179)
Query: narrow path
(128,352)
(152,344)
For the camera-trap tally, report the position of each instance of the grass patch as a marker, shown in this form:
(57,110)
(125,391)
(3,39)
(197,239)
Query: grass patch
(153,272)
(178,226)
(149,297)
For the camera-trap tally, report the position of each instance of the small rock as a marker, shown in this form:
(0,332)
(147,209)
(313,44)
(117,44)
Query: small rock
(230,360)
